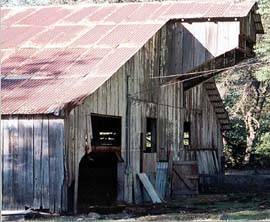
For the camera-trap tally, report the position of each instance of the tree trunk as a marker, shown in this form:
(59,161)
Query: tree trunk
(251,127)
(256,95)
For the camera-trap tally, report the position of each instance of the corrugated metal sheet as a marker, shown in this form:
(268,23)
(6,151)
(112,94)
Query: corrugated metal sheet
(14,61)
(54,56)
(45,16)
(93,35)
(144,12)
(122,13)
(101,13)
(15,17)
(87,61)
(58,35)
(212,9)
(81,14)
(13,37)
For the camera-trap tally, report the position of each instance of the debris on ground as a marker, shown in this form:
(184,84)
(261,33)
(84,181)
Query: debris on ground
(202,208)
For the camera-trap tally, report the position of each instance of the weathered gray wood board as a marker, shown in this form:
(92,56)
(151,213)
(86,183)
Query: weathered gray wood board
(206,135)
(149,162)
(33,166)
(208,162)
(149,188)
(184,178)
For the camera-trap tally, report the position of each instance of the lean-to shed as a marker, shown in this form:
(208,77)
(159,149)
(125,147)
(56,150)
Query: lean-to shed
(92,95)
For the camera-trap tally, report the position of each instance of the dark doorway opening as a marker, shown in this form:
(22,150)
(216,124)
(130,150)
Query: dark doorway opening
(98,170)
(97,180)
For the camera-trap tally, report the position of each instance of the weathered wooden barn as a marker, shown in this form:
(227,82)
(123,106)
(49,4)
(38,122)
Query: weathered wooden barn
(93,95)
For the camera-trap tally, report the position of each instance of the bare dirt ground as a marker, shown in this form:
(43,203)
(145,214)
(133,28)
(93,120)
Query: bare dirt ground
(201,208)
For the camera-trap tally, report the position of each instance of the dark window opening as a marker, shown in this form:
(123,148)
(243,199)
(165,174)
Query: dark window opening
(186,133)
(185,100)
(106,131)
(151,135)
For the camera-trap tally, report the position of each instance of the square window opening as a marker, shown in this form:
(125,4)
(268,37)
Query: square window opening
(106,131)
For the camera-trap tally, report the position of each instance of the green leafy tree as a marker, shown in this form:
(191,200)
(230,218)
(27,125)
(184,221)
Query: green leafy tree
(246,97)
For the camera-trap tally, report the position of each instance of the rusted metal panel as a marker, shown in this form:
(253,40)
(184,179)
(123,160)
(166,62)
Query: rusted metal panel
(80,14)
(204,9)
(14,18)
(45,16)
(93,35)
(122,13)
(144,12)
(58,35)
(87,61)
(112,38)
(102,13)
(16,35)
(15,60)
(59,42)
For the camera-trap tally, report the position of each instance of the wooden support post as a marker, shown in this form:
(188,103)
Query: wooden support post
(141,152)
(75,203)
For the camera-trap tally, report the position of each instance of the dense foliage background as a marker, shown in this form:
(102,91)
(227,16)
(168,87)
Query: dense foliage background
(246,94)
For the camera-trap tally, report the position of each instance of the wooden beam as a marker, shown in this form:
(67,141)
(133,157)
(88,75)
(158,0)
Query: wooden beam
(149,188)
(106,149)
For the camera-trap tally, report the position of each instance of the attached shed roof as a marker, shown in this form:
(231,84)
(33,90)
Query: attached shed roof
(54,56)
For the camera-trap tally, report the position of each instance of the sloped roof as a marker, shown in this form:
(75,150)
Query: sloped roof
(52,56)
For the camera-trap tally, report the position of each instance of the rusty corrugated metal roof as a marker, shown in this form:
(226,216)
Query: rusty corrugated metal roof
(57,55)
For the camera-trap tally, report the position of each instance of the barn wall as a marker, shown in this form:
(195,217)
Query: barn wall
(77,130)
(206,135)
(33,162)
(246,29)
(164,54)
(190,45)
(111,99)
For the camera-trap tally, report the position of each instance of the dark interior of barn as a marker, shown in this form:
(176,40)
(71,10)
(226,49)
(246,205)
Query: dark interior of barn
(97,180)
(98,170)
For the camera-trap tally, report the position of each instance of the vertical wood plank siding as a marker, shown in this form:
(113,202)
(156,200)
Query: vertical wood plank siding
(206,135)
(172,50)
(33,161)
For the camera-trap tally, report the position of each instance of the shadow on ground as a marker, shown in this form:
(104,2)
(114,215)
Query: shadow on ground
(204,207)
